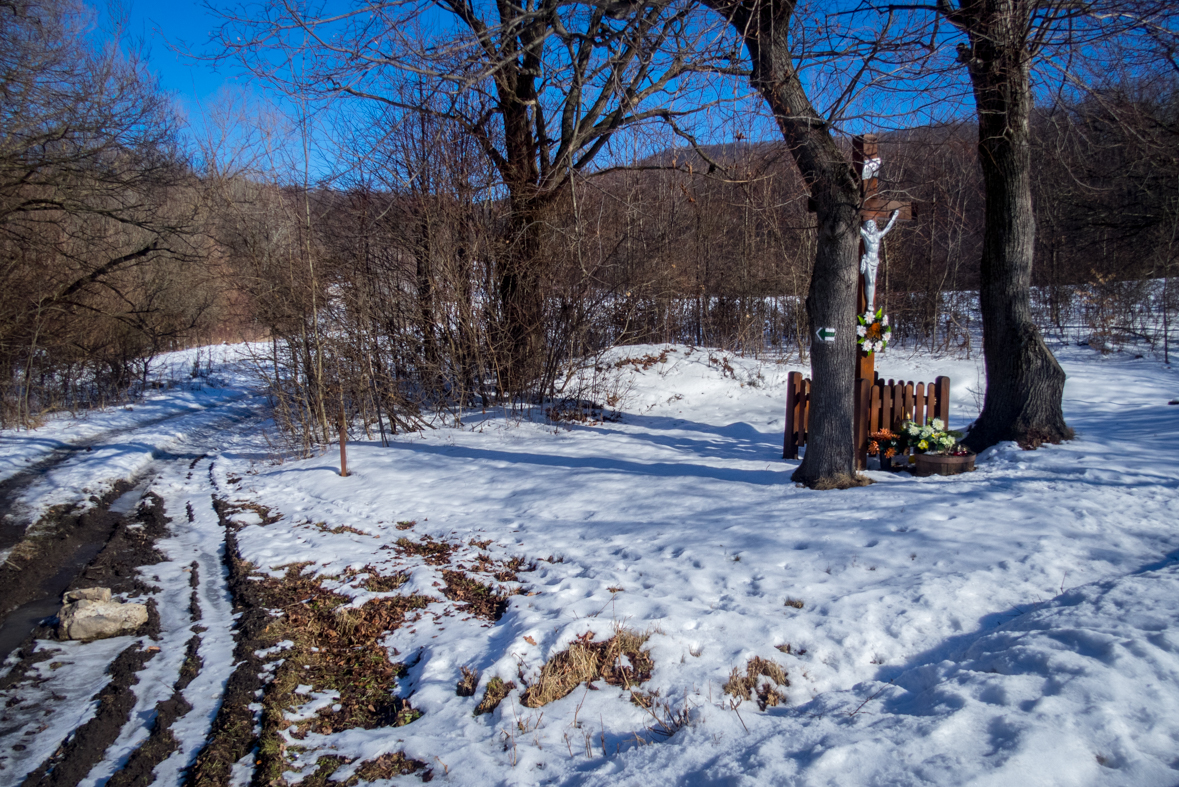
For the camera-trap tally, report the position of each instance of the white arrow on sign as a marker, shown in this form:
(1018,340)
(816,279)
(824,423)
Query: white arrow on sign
(826,334)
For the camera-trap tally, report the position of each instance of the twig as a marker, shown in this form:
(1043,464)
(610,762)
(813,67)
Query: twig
(583,696)
(865,702)
(733,705)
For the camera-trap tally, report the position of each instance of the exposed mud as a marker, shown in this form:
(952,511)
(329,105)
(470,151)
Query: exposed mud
(12,525)
(74,759)
(131,547)
(41,568)
(98,547)
(234,733)
(137,771)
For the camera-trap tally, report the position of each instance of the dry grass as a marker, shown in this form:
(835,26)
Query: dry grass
(841,481)
(762,677)
(493,695)
(335,649)
(794,602)
(434,553)
(791,651)
(406,524)
(378,583)
(389,765)
(477,598)
(339,529)
(585,661)
(236,507)
(386,766)
(467,683)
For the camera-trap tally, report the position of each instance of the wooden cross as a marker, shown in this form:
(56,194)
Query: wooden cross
(872,206)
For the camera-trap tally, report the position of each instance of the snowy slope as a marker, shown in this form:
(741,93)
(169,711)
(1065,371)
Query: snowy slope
(1012,626)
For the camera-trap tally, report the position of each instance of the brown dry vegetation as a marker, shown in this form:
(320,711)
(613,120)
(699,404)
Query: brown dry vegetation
(586,660)
(474,596)
(843,481)
(467,683)
(384,767)
(379,583)
(339,529)
(335,649)
(761,676)
(493,695)
(435,553)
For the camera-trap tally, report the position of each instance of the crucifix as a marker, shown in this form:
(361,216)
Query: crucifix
(873,208)
(872,411)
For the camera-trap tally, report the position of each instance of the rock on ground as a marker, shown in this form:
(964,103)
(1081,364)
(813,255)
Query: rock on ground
(87,619)
(89,594)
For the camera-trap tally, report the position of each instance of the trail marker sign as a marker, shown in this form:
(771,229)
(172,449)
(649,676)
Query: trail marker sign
(826,334)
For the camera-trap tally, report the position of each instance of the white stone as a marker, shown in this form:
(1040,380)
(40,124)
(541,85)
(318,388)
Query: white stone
(89,594)
(86,619)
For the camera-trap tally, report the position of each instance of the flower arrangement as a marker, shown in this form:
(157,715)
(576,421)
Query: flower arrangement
(932,438)
(873,331)
(885,443)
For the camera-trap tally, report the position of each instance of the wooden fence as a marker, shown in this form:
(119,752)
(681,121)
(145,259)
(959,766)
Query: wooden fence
(880,404)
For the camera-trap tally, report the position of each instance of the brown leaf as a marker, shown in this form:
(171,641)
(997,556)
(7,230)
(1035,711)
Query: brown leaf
(529,640)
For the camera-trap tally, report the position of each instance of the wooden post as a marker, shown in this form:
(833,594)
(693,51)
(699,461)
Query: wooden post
(941,402)
(343,426)
(863,391)
(793,415)
(873,207)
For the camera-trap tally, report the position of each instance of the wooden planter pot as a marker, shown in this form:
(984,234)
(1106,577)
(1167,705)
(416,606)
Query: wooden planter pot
(936,464)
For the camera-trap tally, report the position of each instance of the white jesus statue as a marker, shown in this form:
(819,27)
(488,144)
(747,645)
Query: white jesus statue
(870,261)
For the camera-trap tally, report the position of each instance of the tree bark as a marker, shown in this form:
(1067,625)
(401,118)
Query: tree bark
(764,26)
(521,290)
(1025,384)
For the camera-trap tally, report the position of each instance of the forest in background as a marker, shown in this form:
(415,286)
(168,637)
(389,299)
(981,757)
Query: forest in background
(383,294)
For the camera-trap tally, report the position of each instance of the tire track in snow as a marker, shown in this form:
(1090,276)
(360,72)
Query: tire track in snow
(172,700)
(170,743)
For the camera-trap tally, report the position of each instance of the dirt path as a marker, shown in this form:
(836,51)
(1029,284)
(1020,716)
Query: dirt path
(14,518)
(133,709)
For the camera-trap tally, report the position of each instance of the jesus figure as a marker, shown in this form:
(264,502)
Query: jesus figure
(870,260)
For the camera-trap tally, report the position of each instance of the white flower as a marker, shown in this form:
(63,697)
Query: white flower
(861,330)
(884,321)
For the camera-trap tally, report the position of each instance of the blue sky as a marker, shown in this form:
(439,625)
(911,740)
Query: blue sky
(169,30)
(163,25)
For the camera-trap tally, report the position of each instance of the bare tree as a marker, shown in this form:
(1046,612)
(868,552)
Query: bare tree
(776,52)
(92,187)
(1004,41)
(555,82)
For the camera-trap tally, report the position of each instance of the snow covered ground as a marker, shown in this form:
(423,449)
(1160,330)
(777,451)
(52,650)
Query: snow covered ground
(100,447)
(1016,625)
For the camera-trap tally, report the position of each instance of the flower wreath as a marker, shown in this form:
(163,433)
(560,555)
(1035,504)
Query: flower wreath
(873,331)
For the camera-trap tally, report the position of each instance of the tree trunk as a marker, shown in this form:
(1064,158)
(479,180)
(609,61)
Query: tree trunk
(424,253)
(830,459)
(522,302)
(1025,384)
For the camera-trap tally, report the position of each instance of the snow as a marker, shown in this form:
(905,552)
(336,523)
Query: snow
(913,590)
(162,420)
(1016,625)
